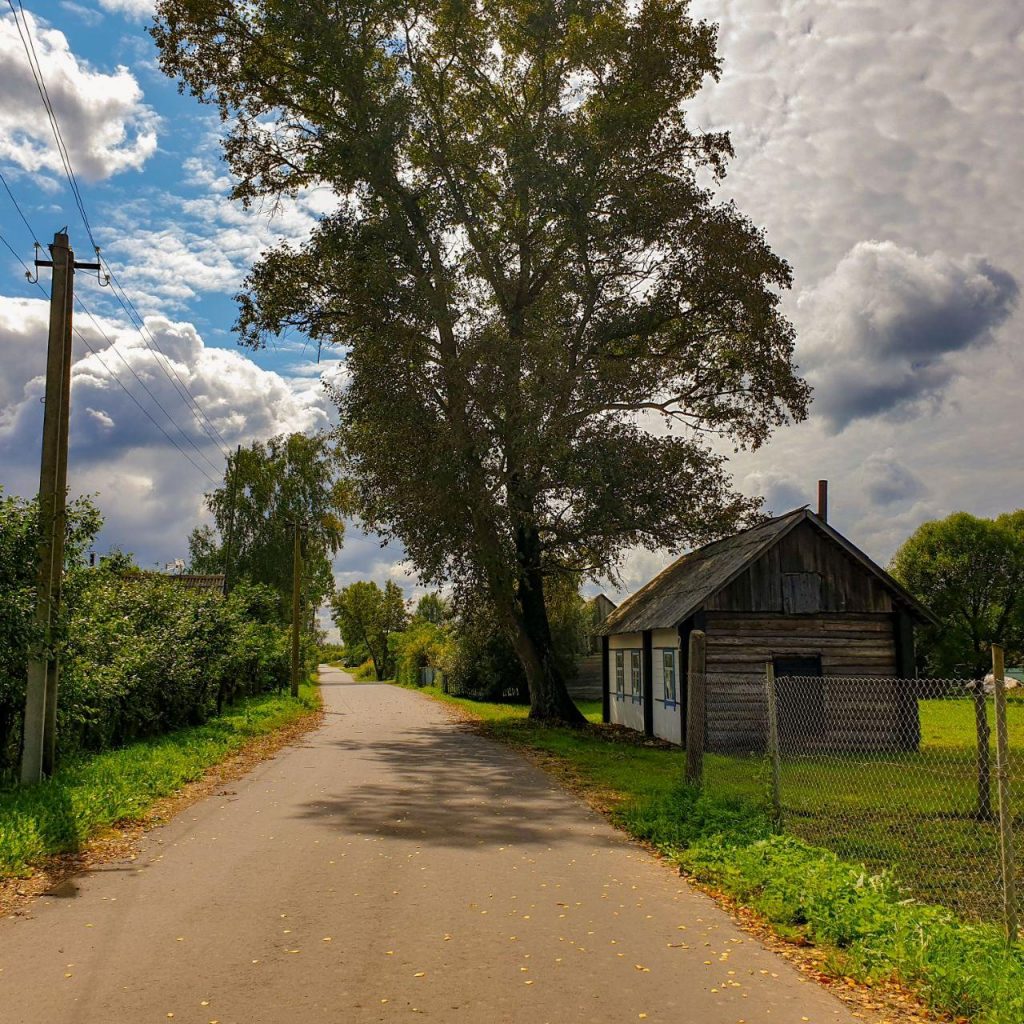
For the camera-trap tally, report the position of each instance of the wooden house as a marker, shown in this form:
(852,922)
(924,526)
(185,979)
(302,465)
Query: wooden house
(792,592)
(588,682)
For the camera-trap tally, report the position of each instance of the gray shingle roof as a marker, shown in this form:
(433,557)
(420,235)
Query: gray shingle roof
(681,589)
(678,591)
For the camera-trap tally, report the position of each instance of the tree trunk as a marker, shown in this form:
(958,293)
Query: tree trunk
(549,697)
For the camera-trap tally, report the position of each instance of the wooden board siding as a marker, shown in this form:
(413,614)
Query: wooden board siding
(589,680)
(860,715)
(787,569)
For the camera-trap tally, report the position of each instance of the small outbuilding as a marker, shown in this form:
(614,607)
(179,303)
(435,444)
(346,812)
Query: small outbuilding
(791,592)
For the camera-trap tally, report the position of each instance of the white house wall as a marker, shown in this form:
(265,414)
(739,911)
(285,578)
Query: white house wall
(626,706)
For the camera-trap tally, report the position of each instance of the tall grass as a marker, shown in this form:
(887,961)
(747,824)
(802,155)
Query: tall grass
(89,793)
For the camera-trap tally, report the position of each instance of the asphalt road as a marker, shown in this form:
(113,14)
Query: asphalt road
(391,867)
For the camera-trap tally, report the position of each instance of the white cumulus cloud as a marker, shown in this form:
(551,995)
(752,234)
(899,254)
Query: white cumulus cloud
(106,126)
(149,491)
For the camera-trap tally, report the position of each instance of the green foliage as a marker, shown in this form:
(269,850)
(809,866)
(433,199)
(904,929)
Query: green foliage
(140,654)
(962,969)
(268,487)
(970,572)
(19,525)
(87,793)
(481,662)
(423,644)
(367,616)
(526,262)
(432,608)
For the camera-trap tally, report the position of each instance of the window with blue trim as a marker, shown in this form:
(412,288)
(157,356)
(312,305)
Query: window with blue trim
(636,686)
(668,674)
(620,675)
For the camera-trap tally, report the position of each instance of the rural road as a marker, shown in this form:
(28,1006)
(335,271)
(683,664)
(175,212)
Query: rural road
(391,867)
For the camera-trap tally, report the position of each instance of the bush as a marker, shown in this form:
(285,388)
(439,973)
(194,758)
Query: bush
(423,645)
(140,654)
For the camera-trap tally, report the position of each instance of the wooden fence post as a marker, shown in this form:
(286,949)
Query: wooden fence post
(1006,851)
(696,703)
(773,742)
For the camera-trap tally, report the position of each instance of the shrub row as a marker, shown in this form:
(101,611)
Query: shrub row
(142,655)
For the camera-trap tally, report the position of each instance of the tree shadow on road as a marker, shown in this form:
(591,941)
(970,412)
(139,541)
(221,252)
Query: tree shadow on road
(451,788)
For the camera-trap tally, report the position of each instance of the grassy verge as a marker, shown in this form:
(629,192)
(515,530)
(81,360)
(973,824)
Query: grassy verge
(88,794)
(864,921)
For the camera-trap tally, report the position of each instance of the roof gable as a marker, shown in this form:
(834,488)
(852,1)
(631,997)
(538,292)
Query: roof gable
(688,583)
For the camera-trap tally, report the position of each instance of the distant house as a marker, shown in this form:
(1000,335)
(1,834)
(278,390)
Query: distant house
(600,608)
(195,581)
(587,683)
(792,592)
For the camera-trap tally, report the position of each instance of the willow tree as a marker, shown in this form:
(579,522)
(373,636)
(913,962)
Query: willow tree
(545,312)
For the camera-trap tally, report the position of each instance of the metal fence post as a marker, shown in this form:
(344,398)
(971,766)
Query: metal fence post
(696,699)
(1006,851)
(773,742)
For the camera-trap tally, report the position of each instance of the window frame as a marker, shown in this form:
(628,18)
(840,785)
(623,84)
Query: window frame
(620,674)
(636,676)
(668,671)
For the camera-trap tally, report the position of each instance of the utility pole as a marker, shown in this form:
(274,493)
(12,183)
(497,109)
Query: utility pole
(40,730)
(296,605)
(229,540)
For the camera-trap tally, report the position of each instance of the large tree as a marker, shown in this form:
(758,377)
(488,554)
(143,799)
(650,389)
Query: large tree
(546,313)
(970,572)
(268,487)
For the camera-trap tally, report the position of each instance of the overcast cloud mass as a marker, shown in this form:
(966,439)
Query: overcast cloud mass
(879,144)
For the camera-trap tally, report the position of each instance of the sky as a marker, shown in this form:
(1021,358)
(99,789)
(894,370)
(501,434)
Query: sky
(880,146)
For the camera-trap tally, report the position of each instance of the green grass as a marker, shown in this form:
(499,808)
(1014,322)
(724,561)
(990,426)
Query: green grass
(910,812)
(90,793)
(859,914)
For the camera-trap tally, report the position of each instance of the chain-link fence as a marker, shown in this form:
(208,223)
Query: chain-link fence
(904,775)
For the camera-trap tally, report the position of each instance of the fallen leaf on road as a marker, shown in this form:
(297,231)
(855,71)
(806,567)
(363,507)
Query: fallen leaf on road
(420,974)
(640,967)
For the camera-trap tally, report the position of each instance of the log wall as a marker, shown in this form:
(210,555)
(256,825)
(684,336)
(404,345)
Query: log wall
(853,714)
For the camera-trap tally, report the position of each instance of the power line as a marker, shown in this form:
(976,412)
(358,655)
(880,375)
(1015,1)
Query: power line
(114,377)
(62,150)
(145,386)
(14,253)
(208,427)
(21,214)
(81,337)
(205,423)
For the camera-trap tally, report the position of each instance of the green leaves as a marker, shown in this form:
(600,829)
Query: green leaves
(366,615)
(970,572)
(544,311)
(268,487)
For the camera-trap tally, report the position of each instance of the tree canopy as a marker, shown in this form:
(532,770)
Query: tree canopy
(545,311)
(970,572)
(268,487)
